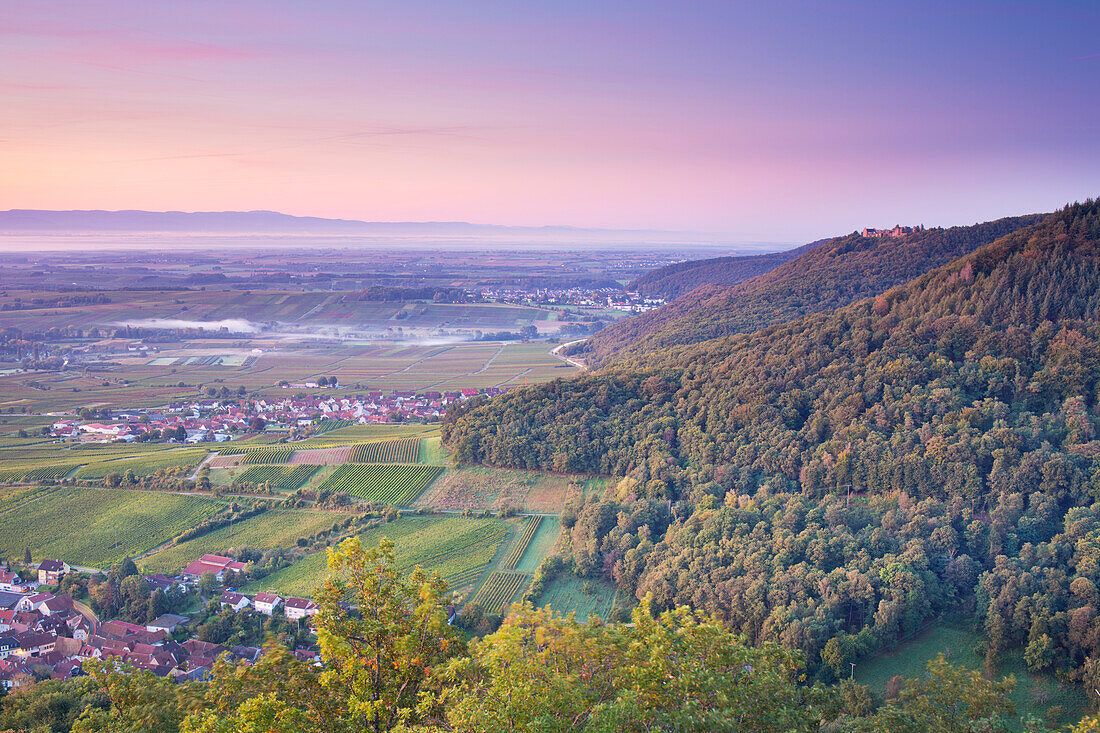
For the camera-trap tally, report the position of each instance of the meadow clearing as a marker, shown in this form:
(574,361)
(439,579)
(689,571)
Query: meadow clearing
(478,488)
(957,638)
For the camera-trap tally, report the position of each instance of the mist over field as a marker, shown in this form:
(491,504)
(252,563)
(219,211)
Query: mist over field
(235,325)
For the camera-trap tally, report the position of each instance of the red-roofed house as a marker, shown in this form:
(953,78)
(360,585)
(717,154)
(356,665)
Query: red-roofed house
(236,601)
(215,564)
(10,581)
(32,603)
(297,608)
(265,602)
(57,605)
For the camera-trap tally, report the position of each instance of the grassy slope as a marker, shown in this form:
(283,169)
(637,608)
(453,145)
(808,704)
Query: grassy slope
(276,528)
(94,527)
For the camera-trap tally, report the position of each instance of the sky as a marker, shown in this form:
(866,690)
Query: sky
(778,121)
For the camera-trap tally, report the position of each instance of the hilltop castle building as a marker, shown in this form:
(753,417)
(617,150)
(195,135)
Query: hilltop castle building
(898,231)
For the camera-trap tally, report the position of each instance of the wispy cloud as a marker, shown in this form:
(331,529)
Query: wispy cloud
(378,132)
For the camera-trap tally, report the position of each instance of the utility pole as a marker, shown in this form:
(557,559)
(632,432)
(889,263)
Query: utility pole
(853,670)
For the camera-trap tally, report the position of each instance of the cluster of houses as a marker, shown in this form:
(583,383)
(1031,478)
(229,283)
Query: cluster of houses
(213,420)
(47,635)
(220,566)
(599,298)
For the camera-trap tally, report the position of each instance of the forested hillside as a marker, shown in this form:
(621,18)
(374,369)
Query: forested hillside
(831,275)
(960,410)
(672,281)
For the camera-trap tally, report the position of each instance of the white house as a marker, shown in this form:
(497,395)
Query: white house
(236,601)
(266,602)
(297,608)
(10,581)
(32,603)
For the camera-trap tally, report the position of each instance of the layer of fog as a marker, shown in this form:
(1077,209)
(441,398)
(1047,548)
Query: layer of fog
(233,325)
(288,332)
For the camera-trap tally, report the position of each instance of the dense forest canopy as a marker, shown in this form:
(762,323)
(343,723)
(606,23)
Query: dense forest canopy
(960,411)
(833,274)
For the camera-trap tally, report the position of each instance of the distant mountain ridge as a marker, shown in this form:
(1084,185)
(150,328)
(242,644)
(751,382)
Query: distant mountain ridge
(672,281)
(41,221)
(830,275)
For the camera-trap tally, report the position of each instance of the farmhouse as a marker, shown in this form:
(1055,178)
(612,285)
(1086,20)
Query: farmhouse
(166,623)
(51,571)
(216,564)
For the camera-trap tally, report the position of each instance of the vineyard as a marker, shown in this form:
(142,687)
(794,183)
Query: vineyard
(406,450)
(499,590)
(49,473)
(268,455)
(277,477)
(524,540)
(459,549)
(95,527)
(381,483)
(326,425)
(143,465)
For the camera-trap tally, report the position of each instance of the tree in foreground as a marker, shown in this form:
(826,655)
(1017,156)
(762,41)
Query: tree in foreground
(949,699)
(386,657)
(679,670)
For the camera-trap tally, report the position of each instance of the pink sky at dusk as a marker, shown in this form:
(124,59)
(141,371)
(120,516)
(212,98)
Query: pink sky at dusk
(783,121)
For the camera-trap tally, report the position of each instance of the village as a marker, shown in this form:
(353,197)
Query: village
(220,420)
(47,634)
(588,298)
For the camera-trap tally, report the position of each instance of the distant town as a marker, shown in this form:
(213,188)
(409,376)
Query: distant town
(219,421)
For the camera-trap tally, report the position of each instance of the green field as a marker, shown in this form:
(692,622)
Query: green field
(519,547)
(94,527)
(433,452)
(365,434)
(143,465)
(460,550)
(568,594)
(382,483)
(540,545)
(274,528)
(1034,694)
